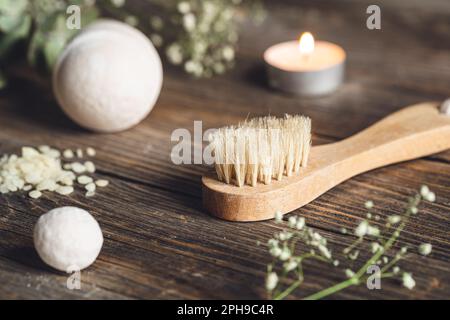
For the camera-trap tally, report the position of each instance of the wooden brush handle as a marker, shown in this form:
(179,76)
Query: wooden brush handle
(410,133)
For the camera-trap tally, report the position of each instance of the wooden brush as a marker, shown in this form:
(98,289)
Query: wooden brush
(262,164)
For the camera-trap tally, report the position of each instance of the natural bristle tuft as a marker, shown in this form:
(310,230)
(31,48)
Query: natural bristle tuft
(261,149)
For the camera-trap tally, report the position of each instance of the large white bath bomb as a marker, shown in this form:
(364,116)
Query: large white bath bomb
(68,238)
(109,77)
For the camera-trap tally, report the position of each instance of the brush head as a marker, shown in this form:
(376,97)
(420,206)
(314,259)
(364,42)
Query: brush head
(261,149)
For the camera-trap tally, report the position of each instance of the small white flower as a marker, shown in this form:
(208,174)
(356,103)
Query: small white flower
(369,204)
(394,219)
(385,259)
(408,280)
(278,216)
(189,21)
(118,3)
(292,221)
(275,252)
(184,7)
(174,53)
(425,249)
(349,273)
(335,263)
(156,23)
(396,270)
(375,246)
(272,243)
(414,210)
(373,231)
(424,190)
(324,251)
(284,235)
(228,53)
(343,231)
(300,223)
(271,281)
(131,20)
(156,39)
(290,265)
(403,250)
(285,254)
(361,229)
(430,197)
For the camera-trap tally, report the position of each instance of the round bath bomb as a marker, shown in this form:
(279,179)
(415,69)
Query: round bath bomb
(109,77)
(68,238)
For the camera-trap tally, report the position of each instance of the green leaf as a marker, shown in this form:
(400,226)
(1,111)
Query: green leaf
(8,40)
(12,13)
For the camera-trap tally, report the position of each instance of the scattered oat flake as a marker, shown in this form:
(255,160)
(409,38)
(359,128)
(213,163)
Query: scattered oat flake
(90,187)
(35,194)
(68,154)
(84,179)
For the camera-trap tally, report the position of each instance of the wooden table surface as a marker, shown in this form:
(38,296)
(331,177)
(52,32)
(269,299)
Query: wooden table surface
(161,244)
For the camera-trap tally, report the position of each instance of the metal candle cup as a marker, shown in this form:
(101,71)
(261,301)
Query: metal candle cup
(317,71)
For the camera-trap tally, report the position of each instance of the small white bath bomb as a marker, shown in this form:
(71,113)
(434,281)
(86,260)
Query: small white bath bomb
(109,77)
(68,238)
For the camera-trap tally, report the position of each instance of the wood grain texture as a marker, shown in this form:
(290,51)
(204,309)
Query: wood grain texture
(160,243)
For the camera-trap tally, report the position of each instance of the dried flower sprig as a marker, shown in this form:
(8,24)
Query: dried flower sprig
(287,262)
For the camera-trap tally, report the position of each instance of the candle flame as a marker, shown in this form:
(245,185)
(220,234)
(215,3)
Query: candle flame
(306,44)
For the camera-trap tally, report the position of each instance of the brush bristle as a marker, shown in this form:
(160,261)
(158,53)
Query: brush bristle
(261,149)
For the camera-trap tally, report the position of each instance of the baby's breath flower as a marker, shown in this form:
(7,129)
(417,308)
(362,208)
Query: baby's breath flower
(361,229)
(184,7)
(354,255)
(285,235)
(285,254)
(373,231)
(278,216)
(431,197)
(414,210)
(271,281)
(117,3)
(403,250)
(175,53)
(189,21)
(343,231)
(394,219)
(228,53)
(275,252)
(272,243)
(424,190)
(324,251)
(336,263)
(156,39)
(408,280)
(292,221)
(396,269)
(385,259)
(290,265)
(369,204)
(425,249)
(375,246)
(156,23)
(300,223)
(349,273)
(132,20)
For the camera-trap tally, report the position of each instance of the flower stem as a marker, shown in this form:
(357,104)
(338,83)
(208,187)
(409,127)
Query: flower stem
(328,291)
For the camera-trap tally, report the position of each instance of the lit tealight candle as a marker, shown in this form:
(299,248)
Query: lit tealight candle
(305,67)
